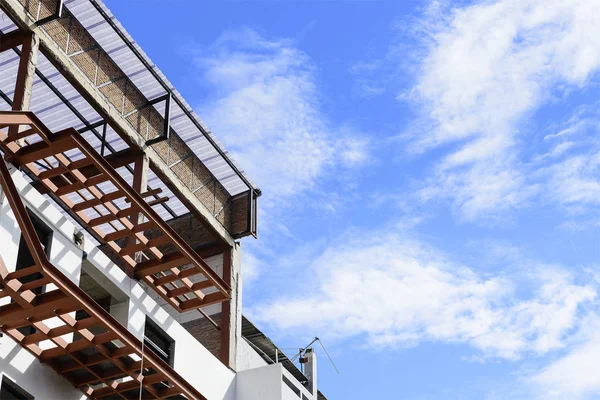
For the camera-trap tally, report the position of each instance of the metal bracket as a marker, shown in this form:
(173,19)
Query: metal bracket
(57,14)
(93,126)
(167,122)
(7,99)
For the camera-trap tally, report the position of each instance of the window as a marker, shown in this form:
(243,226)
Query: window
(104,292)
(24,257)
(10,391)
(158,341)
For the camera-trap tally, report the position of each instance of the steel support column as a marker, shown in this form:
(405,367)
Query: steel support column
(26,72)
(140,185)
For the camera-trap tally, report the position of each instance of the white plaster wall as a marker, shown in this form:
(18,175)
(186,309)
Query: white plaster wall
(288,394)
(260,383)
(247,357)
(266,383)
(120,312)
(298,385)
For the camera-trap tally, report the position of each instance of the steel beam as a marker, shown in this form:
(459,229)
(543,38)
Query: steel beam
(26,72)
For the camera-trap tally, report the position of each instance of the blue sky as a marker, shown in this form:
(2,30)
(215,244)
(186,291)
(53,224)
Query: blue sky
(431,187)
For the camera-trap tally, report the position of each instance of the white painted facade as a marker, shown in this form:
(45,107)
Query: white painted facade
(248,358)
(255,380)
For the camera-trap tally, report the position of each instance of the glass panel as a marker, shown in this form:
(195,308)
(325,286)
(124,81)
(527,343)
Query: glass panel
(158,341)
(10,391)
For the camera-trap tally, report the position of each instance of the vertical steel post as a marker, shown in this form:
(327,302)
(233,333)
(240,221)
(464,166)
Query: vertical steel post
(25,75)
(26,72)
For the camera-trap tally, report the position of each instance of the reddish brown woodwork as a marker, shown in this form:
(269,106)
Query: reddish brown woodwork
(13,39)
(24,82)
(96,353)
(140,184)
(69,167)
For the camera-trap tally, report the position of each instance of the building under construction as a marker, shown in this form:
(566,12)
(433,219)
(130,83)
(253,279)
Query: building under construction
(120,273)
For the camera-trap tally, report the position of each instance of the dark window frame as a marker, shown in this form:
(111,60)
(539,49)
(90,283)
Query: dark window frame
(40,227)
(46,235)
(10,387)
(167,355)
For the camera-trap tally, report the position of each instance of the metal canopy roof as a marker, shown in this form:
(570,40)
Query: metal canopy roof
(59,105)
(120,46)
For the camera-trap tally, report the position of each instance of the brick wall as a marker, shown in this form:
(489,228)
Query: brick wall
(206,333)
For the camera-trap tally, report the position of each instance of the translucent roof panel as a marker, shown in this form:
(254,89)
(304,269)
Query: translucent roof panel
(59,105)
(145,75)
(72,111)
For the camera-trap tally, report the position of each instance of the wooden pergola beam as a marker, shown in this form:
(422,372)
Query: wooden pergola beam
(123,157)
(12,39)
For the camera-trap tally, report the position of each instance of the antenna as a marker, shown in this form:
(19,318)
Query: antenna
(303,350)
(328,356)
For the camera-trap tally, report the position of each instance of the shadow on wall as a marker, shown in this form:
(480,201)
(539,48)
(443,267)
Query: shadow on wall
(21,367)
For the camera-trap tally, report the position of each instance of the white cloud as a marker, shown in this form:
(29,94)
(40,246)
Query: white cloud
(579,225)
(481,189)
(575,180)
(399,293)
(493,62)
(250,266)
(266,110)
(571,175)
(353,150)
(486,68)
(573,376)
